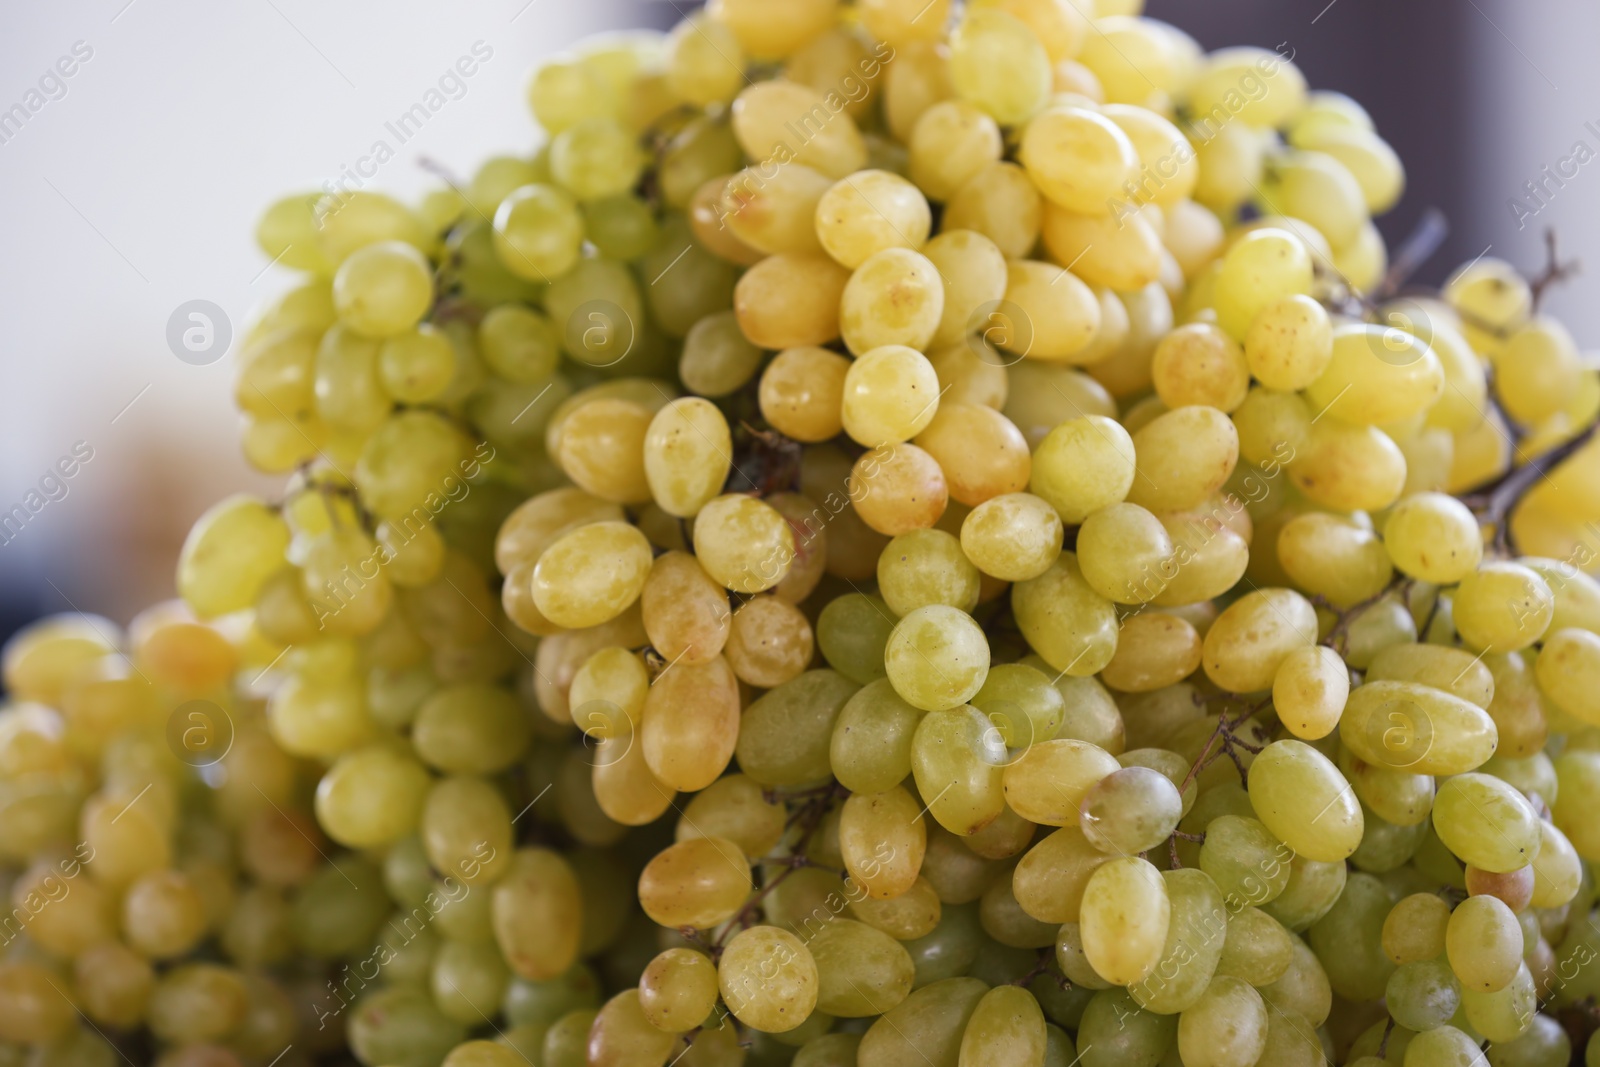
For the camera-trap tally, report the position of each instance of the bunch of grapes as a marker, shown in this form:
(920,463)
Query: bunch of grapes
(903,534)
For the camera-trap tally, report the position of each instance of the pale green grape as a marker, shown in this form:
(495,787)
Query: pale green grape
(383,289)
(1264,267)
(537,232)
(937,657)
(1226,1027)
(595,159)
(998,65)
(1486,822)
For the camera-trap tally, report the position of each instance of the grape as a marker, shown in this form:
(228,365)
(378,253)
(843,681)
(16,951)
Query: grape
(1080,159)
(537,232)
(1125,916)
(790,300)
(950,143)
(936,657)
(997,64)
(717,390)
(768,979)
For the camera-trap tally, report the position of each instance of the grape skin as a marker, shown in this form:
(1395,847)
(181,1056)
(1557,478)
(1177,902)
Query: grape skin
(701,469)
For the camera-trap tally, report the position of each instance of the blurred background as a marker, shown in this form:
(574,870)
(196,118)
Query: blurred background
(134,185)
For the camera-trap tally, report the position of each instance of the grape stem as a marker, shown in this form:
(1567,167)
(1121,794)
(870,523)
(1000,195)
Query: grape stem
(1494,502)
(805,820)
(1042,966)
(1555,272)
(1413,252)
(1338,636)
(1383,1044)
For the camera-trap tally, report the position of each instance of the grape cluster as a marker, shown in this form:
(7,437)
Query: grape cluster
(905,533)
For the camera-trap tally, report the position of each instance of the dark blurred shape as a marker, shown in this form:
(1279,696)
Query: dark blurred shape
(1406,63)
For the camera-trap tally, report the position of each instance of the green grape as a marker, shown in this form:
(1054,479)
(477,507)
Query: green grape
(1414,727)
(352,220)
(383,289)
(518,344)
(868,212)
(1049,881)
(1505,1014)
(852,632)
(1440,1047)
(621,1033)
(1486,822)
(226,559)
(1116,1030)
(785,735)
(1022,703)
(871,746)
(1422,995)
(1256,947)
(1543,1044)
(1303,799)
(926,567)
(1313,888)
(894,298)
(998,65)
(1226,1027)
(287,233)
(537,232)
(1317,188)
(949,144)
(1072,627)
(928,1024)
(1196,936)
(1124,918)
(1130,810)
(595,159)
(860,971)
(937,657)
(1304,987)
(416,366)
(1484,944)
(1006,1027)
(1079,158)
(1266,266)
(1249,865)
(371,796)
(717,360)
(958,758)
(768,979)
(891,394)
